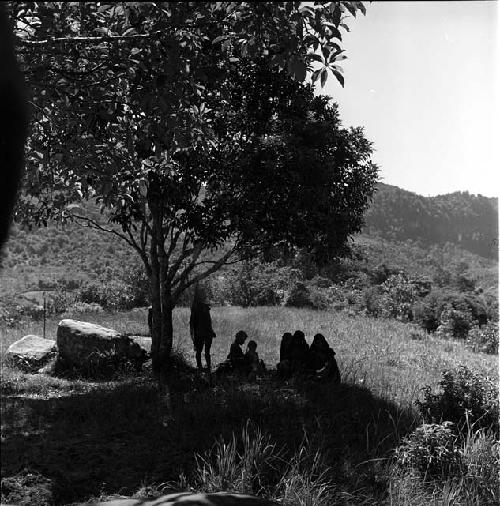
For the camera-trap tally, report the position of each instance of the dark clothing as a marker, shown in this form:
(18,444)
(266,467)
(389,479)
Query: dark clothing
(236,362)
(236,355)
(322,360)
(285,346)
(202,333)
(294,354)
(202,342)
(200,322)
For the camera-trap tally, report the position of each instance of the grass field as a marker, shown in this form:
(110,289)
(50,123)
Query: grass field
(66,440)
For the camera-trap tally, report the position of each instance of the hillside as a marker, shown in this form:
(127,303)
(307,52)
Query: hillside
(404,231)
(469,221)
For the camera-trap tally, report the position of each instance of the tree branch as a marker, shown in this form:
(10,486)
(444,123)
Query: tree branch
(79,40)
(216,266)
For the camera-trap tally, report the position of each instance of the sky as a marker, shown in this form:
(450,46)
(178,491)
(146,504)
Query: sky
(422,78)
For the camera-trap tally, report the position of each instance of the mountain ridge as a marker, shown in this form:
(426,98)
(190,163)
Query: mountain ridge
(467,220)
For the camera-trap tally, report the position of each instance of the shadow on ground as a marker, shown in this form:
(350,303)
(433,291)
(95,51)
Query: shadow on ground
(66,449)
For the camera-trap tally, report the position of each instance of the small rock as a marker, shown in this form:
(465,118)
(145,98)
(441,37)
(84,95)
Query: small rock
(31,353)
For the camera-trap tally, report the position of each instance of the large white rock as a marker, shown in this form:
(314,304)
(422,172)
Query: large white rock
(31,352)
(82,343)
(189,499)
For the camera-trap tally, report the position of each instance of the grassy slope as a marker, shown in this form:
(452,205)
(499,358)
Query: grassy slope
(107,438)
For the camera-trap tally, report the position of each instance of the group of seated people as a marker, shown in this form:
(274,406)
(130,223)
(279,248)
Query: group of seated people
(244,363)
(296,358)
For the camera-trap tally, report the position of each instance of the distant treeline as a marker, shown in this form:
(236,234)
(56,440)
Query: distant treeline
(470,221)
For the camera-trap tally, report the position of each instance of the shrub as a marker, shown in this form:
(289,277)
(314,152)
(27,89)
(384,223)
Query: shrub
(466,399)
(303,295)
(431,451)
(84,307)
(59,301)
(455,323)
(484,339)
(398,296)
(138,286)
(371,300)
(257,283)
(458,311)
(475,480)
(110,295)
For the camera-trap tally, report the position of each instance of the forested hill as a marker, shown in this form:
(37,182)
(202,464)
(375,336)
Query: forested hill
(467,220)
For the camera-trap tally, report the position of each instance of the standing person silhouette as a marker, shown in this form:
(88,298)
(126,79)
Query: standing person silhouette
(200,324)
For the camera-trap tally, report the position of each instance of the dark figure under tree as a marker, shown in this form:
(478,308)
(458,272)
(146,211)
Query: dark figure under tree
(200,324)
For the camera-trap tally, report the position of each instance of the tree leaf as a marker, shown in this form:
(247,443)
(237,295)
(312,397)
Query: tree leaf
(324,76)
(339,76)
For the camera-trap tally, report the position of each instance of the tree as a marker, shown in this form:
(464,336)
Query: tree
(190,125)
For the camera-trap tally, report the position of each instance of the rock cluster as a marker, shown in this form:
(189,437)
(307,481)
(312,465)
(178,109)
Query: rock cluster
(84,346)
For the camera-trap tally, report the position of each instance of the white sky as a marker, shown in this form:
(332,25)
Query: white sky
(422,78)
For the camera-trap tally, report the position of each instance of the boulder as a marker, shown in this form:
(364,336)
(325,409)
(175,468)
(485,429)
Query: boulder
(31,353)
(88,346)
(190,499)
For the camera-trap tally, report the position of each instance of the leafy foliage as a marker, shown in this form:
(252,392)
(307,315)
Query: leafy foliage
(484,338)
(431,450)
(466,399)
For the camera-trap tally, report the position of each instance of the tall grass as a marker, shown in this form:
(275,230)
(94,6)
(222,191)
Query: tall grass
(305,443)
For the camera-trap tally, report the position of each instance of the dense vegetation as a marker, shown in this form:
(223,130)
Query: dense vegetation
(467,220)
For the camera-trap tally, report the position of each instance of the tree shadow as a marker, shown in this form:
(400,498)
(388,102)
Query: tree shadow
(114,441)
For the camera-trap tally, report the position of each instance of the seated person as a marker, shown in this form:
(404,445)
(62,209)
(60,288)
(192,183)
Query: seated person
(256,365)
(322,360)
(236,360)
(294,354)
(286,342)
(299,352)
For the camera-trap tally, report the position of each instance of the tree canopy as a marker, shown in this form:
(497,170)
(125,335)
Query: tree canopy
(191,125)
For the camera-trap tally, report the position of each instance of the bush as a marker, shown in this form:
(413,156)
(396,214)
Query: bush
(138,286)
(484,339)
(372,300)
(458,311)
(299,296)
(466,399)
(111,295)
(455,323)
(256,283)
(129,290)
(59,301)
(84,307)
(398,296)
(431,451)
(467,474)
(302,295)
